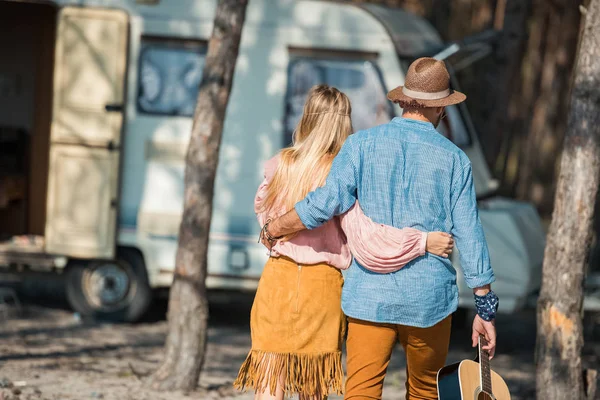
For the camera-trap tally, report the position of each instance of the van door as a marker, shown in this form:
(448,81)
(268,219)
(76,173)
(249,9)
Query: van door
(85,139)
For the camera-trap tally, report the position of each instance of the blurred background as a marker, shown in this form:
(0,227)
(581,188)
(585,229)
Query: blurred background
(96,106)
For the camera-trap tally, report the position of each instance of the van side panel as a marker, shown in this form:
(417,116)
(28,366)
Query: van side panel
(152,190)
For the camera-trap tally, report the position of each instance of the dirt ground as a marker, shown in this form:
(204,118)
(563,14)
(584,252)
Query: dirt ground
(48,353)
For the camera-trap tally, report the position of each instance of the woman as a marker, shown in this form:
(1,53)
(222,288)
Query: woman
(296,321)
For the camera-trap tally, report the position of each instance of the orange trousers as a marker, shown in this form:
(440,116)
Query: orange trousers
(369,347)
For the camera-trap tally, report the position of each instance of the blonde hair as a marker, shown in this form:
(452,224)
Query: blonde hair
(322,130)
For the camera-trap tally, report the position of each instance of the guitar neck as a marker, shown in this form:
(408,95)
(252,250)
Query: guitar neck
(484,366)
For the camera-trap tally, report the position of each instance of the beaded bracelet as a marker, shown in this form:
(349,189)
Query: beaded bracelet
(487,306)
(266,233)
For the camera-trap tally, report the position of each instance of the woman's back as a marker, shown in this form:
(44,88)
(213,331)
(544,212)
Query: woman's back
(326,244)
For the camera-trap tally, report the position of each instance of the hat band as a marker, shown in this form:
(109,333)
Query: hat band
(425,95)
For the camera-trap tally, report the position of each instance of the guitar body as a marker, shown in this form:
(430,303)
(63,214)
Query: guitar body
(461,381)
(448,383)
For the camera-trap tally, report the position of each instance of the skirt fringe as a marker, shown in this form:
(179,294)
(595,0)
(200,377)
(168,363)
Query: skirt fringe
(310,374)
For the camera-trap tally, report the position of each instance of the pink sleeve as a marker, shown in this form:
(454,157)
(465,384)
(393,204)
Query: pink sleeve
(381,248)
(270,168)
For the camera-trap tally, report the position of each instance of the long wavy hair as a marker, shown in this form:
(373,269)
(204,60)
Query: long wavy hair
(322,130)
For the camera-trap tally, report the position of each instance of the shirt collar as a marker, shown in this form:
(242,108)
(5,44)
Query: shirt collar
(409,121)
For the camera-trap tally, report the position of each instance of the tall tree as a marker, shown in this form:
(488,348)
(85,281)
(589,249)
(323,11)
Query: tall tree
(560,336)
(188,305)
(541,94)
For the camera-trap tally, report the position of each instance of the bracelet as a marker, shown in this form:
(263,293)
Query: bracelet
(267,234)
(264,233)
(487,305)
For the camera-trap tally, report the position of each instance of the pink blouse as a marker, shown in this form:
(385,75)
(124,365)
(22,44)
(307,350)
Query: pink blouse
(377,247)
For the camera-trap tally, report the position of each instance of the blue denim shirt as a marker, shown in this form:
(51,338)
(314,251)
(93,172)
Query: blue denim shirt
(405,174)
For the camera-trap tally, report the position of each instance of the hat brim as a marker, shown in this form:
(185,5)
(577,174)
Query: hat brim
(397,95)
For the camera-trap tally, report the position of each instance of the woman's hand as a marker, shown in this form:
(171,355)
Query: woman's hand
(439,243)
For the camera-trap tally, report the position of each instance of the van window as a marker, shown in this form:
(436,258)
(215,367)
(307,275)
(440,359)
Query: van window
(359,79)
(170,71)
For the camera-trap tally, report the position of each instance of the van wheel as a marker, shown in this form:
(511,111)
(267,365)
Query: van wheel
(110,290)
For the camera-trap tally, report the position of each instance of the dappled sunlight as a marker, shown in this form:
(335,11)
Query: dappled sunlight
(85,174)
(230,165)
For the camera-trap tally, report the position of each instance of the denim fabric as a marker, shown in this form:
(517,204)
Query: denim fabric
(405,174)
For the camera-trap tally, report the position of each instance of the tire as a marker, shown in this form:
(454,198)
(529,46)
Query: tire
(109,290)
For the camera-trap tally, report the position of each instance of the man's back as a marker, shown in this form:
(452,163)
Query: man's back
(405,174)
(407,177)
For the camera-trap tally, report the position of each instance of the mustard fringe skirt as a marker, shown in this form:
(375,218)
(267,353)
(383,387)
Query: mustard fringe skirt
(297,330)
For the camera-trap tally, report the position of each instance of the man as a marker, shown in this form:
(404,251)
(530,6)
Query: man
(405,174)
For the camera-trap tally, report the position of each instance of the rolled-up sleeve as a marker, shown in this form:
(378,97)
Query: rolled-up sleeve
(339,192)
(468,232)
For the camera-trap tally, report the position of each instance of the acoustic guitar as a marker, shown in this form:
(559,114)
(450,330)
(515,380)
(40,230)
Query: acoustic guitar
(472,380)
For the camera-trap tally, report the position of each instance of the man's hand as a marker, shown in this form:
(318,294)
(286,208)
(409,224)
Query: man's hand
(266,243)
(488,330)
(439,243)
(282,227)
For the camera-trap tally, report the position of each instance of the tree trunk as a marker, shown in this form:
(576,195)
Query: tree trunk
(543,96)
(188,306)
(560,336)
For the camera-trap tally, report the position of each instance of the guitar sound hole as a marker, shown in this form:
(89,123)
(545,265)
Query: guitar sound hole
(484,396)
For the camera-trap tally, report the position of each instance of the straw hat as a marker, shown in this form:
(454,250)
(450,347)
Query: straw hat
(427,84)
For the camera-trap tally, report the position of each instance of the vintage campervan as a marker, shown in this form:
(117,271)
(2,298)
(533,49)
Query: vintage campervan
(96,100)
